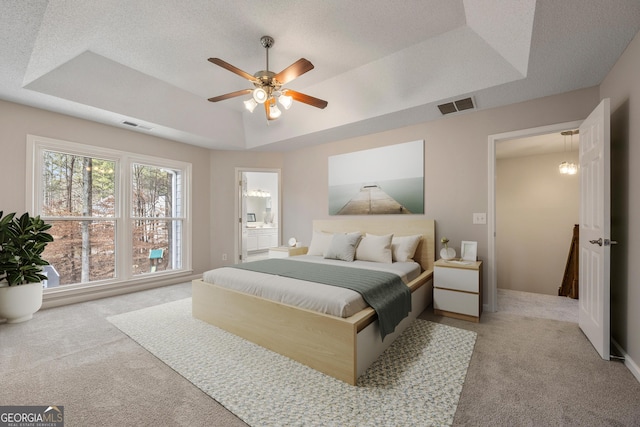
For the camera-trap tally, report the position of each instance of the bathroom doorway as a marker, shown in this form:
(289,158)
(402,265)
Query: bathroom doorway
(259,222)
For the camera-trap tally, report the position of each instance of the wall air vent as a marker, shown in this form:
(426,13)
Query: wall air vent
(464,104)
(135,125)
(455,106)
(447,108)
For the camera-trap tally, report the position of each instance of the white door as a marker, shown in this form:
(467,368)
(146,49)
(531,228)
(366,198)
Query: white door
(595,228)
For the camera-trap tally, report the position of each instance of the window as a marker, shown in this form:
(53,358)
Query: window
(115,216)
(155,213)
(78,199)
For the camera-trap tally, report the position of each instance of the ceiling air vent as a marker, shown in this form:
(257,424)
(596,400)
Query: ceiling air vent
(455,106)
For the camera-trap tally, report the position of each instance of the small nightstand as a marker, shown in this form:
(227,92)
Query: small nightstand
(287,251)
(457,289)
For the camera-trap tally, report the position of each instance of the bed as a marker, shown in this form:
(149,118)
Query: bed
(342,347)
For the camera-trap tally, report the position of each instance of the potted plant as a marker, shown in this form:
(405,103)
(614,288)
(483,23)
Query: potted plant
(22,241)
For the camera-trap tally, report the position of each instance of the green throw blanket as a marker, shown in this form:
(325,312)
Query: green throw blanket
(384,292)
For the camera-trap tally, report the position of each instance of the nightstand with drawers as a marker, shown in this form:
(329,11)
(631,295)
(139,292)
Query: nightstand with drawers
(457,289)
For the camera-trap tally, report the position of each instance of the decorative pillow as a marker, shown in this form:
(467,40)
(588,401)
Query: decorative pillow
(375,248)
(343,246)
(319,243)
(404,247)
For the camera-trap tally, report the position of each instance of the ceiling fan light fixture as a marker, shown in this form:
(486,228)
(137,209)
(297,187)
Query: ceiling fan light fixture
(286,101)
(267,85)
(274,111)
(250,104)
(260,95)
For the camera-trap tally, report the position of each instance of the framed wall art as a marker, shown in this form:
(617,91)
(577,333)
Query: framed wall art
(385,180)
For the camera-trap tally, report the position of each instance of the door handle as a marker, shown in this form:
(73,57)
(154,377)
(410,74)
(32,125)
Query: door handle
(607,242)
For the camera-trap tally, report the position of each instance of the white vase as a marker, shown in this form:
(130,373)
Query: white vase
(18,303)
(447,253)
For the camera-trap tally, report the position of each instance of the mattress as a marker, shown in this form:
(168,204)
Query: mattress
(318,297)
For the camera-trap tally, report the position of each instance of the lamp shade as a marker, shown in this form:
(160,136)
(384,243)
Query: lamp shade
(274,111)
(250,104)
(285,101)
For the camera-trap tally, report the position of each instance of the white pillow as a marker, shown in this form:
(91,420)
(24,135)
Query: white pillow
(375,248)
(404,247)
(343,246)
(319,243)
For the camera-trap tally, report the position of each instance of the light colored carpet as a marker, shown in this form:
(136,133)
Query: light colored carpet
(538,305)
(417,381)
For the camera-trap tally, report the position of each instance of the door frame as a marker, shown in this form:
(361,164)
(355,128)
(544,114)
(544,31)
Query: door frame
(237,201)
(492,279)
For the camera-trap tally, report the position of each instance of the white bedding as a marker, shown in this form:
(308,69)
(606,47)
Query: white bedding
(319,297)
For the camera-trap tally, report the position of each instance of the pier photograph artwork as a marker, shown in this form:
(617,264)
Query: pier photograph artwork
(385,180)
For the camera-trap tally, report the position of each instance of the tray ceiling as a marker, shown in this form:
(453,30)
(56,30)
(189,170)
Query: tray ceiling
(379,67)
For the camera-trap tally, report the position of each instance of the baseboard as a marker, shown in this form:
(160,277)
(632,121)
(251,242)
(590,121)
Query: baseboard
(72,296)
(628,361)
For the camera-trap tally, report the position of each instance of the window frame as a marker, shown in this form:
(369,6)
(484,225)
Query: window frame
(123,217)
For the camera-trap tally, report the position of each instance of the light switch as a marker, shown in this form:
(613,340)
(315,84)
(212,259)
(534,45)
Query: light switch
(479,218)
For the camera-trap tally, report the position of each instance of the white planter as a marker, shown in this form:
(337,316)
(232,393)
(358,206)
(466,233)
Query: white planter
(18,303)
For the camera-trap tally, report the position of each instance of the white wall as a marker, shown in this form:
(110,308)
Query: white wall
(622,86)
(536,209)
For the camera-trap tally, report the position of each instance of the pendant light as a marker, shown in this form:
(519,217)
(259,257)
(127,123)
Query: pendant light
(568,168)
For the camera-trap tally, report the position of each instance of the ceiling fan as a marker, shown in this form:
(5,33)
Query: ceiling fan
(268,85)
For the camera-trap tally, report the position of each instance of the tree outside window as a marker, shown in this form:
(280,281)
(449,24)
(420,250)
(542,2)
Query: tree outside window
(155,218)
(78,195)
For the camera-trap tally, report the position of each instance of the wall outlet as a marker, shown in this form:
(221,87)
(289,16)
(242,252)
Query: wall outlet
(224,257)
(479,218)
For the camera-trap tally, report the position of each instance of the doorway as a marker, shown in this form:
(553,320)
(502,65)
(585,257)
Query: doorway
(258,206)
(507,139)
(537,209)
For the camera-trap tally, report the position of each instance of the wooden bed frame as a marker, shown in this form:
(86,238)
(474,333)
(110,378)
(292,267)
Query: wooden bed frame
(340,347)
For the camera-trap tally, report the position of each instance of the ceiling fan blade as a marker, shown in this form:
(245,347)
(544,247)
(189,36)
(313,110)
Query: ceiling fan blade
(314,102)
(233,69)
(294,70)
(231,95)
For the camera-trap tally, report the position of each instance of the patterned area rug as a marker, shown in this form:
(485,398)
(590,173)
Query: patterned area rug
(417,381)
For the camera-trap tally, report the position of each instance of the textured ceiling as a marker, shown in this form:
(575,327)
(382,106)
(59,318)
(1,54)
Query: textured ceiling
(379,64)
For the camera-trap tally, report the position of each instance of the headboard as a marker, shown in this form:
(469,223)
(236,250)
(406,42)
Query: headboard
(399,226)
